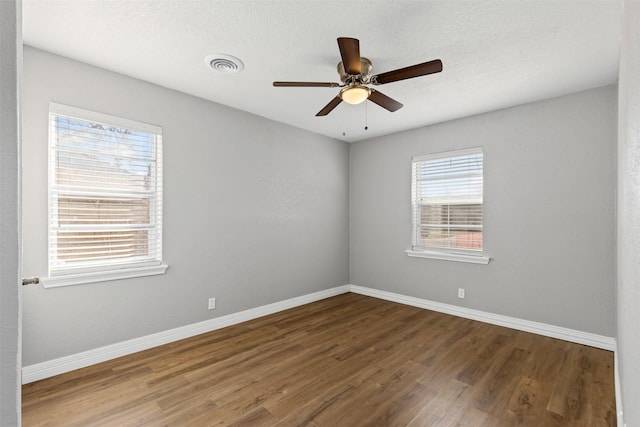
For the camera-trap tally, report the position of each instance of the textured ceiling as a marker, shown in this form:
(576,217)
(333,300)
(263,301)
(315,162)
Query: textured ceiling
(496,54)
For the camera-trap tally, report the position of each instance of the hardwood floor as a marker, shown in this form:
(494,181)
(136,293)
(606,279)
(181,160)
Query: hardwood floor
(349,360)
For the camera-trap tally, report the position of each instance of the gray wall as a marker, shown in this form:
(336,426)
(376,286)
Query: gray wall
(254,212)
(629,215)
(10,75)
(549,213)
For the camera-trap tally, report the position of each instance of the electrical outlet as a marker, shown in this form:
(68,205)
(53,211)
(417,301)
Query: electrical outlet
(212,303)
(460,292)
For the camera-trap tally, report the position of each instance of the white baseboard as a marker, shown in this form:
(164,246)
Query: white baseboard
(72,362)
(579,337)
(102,354)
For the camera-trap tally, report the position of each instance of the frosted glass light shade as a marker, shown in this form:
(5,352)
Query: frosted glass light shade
(355,94)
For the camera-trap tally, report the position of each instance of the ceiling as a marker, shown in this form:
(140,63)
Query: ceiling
(495,54)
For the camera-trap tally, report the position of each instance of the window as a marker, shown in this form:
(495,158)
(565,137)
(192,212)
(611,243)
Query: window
(105,197)
(447,205)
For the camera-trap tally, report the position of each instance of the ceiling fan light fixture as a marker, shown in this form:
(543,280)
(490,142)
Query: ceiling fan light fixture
(354,71)
(355,94)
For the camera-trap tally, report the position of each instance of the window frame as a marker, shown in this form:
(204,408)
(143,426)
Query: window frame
(442,253)
(105,271)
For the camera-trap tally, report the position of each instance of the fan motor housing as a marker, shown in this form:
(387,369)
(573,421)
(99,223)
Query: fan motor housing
(365,70)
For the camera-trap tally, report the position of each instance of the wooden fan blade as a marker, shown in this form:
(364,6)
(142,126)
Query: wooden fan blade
(305,84)
(417,70)
(384,101)
(350,52)
(330,106)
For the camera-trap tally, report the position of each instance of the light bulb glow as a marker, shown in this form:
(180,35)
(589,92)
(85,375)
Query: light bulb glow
(355,94)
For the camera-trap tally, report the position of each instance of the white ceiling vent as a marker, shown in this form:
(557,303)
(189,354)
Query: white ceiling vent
(223,63)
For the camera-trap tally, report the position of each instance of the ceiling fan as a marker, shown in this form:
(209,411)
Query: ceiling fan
(354,73)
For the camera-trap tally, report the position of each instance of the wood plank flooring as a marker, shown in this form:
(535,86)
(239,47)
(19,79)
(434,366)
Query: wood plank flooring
(349,360)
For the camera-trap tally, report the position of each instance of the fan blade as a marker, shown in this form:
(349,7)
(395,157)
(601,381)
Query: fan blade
(417,70)
(350,52)
(384,101)
(305,84)
(330,106)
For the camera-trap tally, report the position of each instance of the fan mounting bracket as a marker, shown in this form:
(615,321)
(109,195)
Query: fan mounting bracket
(363,77)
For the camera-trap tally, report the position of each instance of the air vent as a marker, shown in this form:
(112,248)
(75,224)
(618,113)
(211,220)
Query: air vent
(223,63)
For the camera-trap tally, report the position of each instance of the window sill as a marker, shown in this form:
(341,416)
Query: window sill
(102,276)
(447,256)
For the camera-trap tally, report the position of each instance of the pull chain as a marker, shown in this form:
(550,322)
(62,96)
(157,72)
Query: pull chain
(366,126)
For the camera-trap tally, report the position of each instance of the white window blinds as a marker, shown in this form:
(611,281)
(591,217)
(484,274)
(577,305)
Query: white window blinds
(105,192)
(447,201)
